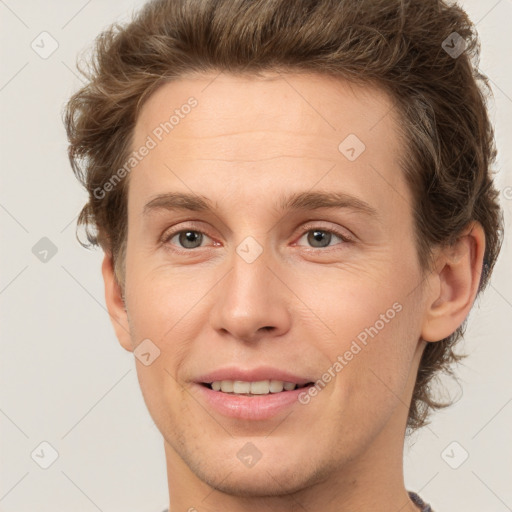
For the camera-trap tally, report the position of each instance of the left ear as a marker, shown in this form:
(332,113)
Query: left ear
(456,279)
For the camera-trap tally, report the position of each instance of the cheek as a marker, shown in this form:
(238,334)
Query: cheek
(378,362)
(165,399)
(159,310)
(374,326)
(355,301)
(161,300)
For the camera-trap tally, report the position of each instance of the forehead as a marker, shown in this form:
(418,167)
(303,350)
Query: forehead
(307,104)
(264,129)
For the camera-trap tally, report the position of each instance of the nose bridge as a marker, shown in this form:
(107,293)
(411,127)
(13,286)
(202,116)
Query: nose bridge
(249,284)
(250,275)
(250,301)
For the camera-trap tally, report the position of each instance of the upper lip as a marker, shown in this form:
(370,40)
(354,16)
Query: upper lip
(252,375)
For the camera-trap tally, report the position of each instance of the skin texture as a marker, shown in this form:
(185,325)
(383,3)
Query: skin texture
(298,306)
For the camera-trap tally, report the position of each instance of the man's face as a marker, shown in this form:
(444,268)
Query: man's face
(263,288)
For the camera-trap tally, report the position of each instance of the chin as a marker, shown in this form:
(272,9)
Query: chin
(275,476)
(253,483)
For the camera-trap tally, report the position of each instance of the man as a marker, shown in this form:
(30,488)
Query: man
(297,211)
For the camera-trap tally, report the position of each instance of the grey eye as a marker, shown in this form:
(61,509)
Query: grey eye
(319,238)
(190,239)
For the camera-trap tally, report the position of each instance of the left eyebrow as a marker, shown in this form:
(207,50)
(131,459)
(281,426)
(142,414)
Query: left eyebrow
(317,200)
(292,202)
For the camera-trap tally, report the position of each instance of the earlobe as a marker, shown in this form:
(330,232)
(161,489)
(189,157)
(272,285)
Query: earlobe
(115,304)
(457,277)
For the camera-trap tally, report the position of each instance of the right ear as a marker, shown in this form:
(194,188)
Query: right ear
(115,304)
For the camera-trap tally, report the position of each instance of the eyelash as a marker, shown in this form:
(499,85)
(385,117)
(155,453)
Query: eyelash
(167,237)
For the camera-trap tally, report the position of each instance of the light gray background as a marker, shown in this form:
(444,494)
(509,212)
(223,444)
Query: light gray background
(64,378)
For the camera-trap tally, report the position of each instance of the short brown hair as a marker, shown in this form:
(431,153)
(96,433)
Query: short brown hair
(401,46)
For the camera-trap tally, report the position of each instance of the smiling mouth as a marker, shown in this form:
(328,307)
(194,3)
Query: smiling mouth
(258,388)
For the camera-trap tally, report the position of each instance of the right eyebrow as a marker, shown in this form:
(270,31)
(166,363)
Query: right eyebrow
(178,201)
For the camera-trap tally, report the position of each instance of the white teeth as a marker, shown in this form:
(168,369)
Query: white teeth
(226,386)
(262,387)
(276,386)
(241,387)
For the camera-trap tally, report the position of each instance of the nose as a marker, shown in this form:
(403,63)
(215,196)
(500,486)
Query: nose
(252,302)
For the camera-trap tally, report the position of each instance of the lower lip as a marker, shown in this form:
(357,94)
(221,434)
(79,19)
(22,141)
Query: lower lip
(249,407)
